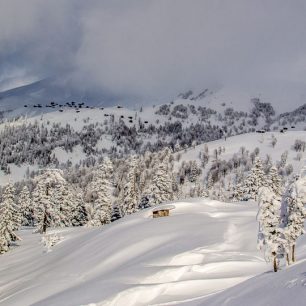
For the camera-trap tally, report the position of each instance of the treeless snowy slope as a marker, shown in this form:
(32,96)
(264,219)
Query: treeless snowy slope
(287,287)
(203,247)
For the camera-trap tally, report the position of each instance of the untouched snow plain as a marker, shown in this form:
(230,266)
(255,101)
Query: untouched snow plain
(204,253)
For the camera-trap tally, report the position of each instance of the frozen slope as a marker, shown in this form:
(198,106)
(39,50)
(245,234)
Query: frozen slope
(204,247)
(286,287)
(250,141)
(282,289)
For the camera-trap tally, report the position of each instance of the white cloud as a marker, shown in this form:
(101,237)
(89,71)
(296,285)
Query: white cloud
(157,48)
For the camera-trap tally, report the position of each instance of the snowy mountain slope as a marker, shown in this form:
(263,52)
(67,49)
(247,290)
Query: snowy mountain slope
(203,247)
(250,141)
(51,89)
(218,99)
(191,118)
(62,91)
(287,287)
(221,98)
(232,146)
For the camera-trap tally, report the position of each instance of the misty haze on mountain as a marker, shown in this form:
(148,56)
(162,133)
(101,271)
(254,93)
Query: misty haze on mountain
(152,50)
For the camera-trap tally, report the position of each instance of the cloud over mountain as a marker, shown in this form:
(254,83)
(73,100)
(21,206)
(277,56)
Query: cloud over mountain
(156,48)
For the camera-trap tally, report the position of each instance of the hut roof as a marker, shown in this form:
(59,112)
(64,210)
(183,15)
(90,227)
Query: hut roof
(163,207)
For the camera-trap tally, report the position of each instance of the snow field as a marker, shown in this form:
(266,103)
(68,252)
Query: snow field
(202,248)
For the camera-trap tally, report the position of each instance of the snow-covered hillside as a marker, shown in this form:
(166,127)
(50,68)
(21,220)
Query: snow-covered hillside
(203,248)
(50,89)
(250,141)
(68,133)
(189,258)
(232,145)
(100,118)
(287,287)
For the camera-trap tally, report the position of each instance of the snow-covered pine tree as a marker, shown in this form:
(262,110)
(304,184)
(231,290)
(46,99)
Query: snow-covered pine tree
(295,214)
(10,220)
(274,181)
(129,198)
(143,187)
(253,182)
(162,181)
(194,171)
(270,235)
(101,185)
(45,213)
(80,213)
(8,199)
(26,207)
(64,200)
(116,213)
(46,208)
(210,181)
(145,191)
(220,192)
(4,243)
(175,187)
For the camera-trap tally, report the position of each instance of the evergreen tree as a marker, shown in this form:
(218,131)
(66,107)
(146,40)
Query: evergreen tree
(80,216)
(101,185)
(295,214)
(162,181)
(46,202)
(129,198)
(64,201)
(9,198)
(210,182)
(270,235)
(274,181)
(116,213)
(254,181)
(4,242)
(10,220)
(194,171)
(26,207)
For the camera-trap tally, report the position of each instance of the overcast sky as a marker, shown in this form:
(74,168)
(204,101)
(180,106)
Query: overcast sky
(156,48)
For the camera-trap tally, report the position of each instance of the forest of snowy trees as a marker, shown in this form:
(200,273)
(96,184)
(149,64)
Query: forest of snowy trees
(175,125)
(143,168)
(100,194)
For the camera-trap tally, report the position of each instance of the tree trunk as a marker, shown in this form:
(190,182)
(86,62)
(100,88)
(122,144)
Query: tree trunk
(293,253)
(44,229)
(275,264)
(287,259)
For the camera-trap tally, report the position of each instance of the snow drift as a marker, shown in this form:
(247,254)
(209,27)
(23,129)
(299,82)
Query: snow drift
(202,248)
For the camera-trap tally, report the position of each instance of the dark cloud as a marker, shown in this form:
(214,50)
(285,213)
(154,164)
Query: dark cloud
(157,48)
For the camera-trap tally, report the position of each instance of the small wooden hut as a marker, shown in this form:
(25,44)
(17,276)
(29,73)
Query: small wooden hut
(162,211)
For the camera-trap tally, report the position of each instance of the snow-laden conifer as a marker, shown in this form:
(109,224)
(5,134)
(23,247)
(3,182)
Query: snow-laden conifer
(65,203)
(274,181)
(162,181)
(26,207)
(10,220)
(270,235)
(80,213)
(101,187)
(254,181)
(129,198)
(46,201)
(294,213)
